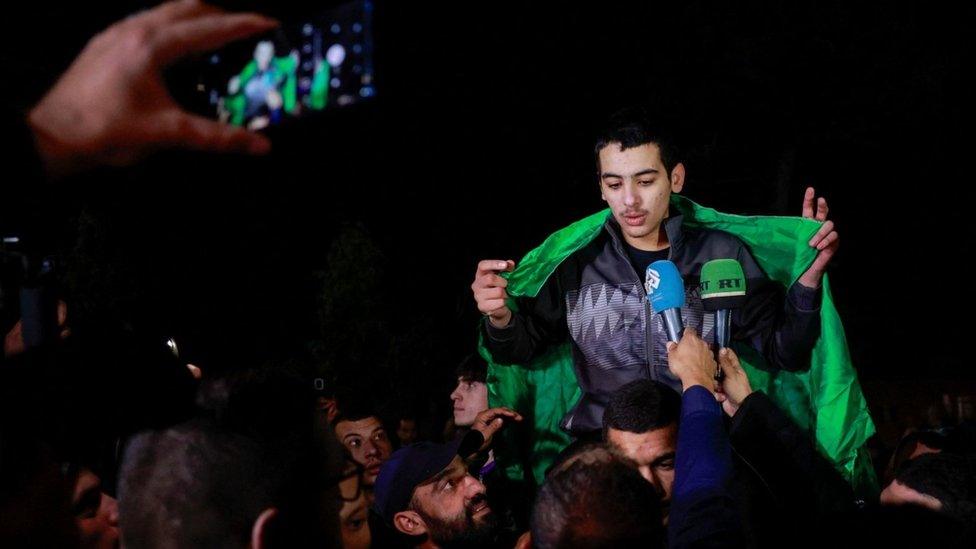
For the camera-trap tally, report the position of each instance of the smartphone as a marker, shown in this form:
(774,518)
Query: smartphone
(310,64)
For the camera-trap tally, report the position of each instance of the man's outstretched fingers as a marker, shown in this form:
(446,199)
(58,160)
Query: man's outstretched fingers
(195,132)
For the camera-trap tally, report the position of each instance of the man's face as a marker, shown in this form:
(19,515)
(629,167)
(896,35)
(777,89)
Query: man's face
(353,514)
(636,186)
(368,444)
(653,452)
(470,398)
(407,432)
(454,506)
(96,513)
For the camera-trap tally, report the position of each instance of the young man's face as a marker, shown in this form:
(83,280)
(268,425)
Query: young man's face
(653,453)
(368,444)
(636,186)
(470,398)
(454,506)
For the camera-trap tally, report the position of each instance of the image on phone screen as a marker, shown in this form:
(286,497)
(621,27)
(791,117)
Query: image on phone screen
(307,65)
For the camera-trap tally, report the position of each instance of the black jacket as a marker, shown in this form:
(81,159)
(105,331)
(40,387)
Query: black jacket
(781,485)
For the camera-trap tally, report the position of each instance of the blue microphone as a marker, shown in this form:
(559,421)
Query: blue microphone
(666,292)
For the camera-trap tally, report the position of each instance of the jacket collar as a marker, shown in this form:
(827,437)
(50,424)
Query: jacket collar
(671,225)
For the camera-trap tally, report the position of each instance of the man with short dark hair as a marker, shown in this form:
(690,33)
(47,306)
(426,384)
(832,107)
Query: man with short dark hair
(592,504)
(641,424)
(596,500)
(943,482)
(425,492)
(363,434)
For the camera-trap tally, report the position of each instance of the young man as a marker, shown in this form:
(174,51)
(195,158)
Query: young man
(470,396)
(363,435)
(596,295)
(641,424)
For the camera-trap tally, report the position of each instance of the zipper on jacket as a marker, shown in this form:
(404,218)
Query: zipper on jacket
(648,313)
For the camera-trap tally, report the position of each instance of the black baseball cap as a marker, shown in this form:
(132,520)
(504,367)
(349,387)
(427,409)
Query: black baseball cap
(406,469)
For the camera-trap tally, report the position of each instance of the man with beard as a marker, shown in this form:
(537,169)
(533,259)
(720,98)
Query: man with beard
(426,493)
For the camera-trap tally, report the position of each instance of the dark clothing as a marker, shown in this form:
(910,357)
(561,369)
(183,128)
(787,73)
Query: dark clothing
(797,474)
(596,298)
(640,259)
(702,509)
(781,484)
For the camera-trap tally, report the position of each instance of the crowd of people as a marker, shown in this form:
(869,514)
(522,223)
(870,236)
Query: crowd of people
(667,444)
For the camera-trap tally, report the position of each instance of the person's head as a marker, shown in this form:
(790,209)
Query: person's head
(470,396)
(596,503)
(197,484)
(579,450)
(263,53)
(426,493)
(640,423)
(354,508)
(363,435)
(96,513)
(250,472)
(638,169)
(942,482)
(407,431)
(912,445)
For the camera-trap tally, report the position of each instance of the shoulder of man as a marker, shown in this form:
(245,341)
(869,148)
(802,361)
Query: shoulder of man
(700,245)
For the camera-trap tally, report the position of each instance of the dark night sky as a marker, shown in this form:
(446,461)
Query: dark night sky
(479,146)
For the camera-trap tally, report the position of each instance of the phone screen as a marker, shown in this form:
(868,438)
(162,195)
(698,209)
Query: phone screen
(309,64)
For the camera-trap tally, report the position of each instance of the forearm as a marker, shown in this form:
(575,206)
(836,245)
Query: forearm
(783,326)
(702,511)
(512,344)
(535,323)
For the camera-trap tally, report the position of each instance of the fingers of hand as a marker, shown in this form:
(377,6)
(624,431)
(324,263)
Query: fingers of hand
(206,33)
(727,357)
(822,233)
(831,239)
(808,202)
(822,209)
(490,299)
(177,128)
(489,280)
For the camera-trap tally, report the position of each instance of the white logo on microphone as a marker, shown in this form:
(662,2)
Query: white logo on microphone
(652,282)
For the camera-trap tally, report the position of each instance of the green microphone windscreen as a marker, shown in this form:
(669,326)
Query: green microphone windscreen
(723,285)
